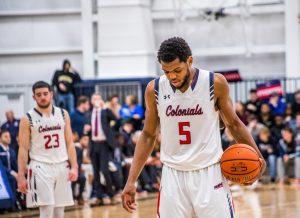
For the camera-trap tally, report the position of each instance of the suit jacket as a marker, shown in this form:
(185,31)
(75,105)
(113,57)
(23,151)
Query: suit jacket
(12,158)
(106,117)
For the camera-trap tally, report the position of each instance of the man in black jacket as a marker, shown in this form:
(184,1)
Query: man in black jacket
(102,145)
(64,82)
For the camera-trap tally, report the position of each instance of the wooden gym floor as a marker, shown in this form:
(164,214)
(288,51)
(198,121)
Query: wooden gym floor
(268,201)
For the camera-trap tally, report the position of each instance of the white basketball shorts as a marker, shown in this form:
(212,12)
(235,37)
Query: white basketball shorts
(48,185)
(187,194)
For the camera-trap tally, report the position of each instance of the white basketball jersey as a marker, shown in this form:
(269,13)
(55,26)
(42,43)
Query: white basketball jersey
(47,136)
(190,132)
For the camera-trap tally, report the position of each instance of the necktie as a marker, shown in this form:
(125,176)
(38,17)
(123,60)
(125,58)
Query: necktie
(96,123)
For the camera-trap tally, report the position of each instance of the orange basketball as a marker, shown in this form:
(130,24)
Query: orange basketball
(240,163)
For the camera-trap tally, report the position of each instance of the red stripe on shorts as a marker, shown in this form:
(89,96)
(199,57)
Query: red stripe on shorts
(158,203)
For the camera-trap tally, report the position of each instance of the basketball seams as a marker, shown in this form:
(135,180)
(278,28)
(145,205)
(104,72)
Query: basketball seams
(239,174)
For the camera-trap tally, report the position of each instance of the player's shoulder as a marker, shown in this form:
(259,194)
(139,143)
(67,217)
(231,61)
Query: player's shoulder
(220,83)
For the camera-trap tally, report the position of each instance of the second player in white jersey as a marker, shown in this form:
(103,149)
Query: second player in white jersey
(190,136)
(45,136)
(48,142)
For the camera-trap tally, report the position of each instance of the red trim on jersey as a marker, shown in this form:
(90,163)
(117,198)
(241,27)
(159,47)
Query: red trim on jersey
(158,203)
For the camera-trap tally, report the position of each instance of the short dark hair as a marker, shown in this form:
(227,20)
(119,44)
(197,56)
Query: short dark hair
(40,84)
(173,48)
(253,91)
(82,100)
(113,96)
(3,131)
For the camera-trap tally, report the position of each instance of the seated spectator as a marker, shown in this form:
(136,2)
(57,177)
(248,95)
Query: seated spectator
(12,125)
(269,150)
(287,148)
(81,177)
(265,116)
(296,103)
(64,82)
(277,127)
(79,121)
(277,104)
(253,105)
(132,110)
(288,114)
(86,165)
(227,139)
(241,112)
(8,160)
(254,126)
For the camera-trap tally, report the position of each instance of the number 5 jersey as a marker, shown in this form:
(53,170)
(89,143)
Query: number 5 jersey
(47,136)
(190,132)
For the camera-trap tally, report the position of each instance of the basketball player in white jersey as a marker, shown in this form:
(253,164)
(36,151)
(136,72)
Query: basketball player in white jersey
(186,102)
(45,134)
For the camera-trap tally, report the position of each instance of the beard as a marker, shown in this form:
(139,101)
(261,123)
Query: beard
(185,80)
(44,106)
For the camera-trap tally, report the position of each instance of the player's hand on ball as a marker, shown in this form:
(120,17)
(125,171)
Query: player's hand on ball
(73,174)
(262,170)
(128,198)
(22,184)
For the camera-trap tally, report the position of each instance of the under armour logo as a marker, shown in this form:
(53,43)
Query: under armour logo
(167,96)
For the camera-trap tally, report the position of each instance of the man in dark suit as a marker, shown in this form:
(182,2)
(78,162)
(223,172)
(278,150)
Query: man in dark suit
(8,160)
(102,145)
(12,125)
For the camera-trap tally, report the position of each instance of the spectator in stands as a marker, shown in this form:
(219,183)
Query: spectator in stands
(79,120)
(81,176)
(241,112)
(227,139)
(269,150)
(253,104)
(254,126)
(288,114)
(277,127)
(296,103)
(277,104)
(64,82)
(114,105)
(86,165)
(126,130)
(12,125)
(132,110)
(102,146)
(287,148)
(8,159)
(265,116)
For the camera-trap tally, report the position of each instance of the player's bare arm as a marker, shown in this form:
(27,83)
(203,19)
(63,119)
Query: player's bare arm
(230,118)
(143,148)
(24,146)
(70,149)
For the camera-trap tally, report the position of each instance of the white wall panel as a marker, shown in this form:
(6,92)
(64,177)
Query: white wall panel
(20,5)
(45,31)
(31,68)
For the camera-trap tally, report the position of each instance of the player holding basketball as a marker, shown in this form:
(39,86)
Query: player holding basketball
(187,102)
(45,133)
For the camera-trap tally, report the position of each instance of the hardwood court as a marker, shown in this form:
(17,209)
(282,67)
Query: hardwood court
(269,201)
(265,203)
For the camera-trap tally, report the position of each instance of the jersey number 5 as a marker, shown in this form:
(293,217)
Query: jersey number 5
(49,138)
(186,133)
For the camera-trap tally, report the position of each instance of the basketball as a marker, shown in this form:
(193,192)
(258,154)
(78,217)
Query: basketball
(240,163)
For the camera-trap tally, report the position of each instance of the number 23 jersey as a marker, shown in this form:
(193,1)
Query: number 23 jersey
(48,143)
(190,132)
